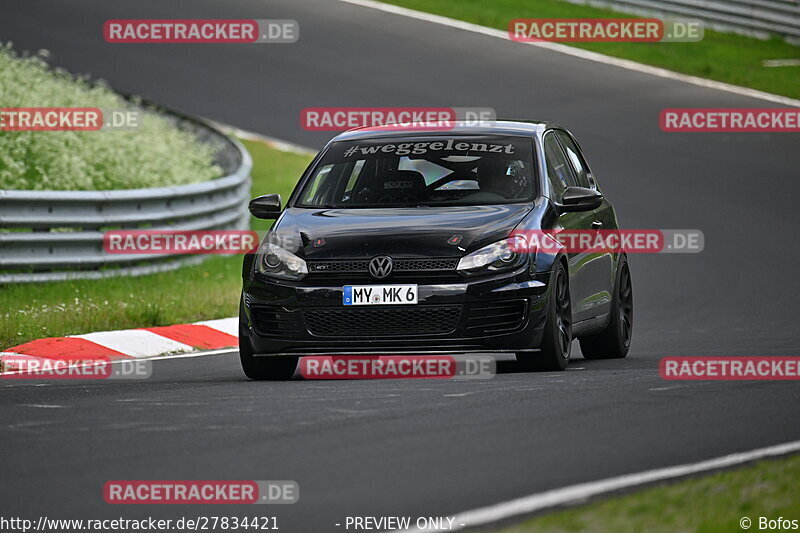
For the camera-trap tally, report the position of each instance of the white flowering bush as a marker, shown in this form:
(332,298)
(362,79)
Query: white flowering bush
(154,154)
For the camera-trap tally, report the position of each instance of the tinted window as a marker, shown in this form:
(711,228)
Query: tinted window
(574,155)
(558,170)
(407,172)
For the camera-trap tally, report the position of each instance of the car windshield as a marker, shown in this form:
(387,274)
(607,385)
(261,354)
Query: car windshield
(456,170)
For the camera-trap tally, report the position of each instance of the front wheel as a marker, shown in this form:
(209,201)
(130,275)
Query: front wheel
(277,368)
(557,337)
(614,341)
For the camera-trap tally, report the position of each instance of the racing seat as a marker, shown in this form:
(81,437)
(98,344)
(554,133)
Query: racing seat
(402,186)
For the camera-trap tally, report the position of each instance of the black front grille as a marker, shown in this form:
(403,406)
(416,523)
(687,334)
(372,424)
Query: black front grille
(274,321)
(400,265)
(395,321)
(338,266)
(495,317)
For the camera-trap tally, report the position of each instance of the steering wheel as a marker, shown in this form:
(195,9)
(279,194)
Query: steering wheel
(485,196)
(407,198)
(445,180)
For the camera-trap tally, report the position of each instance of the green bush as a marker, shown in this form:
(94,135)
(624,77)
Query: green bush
(154,154)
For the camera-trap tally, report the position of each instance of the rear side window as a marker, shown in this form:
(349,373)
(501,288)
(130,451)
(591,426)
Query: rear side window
(575,157)
(559,171)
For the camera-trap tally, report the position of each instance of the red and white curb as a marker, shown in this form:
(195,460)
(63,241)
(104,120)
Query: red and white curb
(129,343)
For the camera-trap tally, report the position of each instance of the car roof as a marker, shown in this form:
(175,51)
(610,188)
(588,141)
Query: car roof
(497,127)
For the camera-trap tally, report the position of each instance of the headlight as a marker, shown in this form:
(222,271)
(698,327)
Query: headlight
(275,262)
(502,255)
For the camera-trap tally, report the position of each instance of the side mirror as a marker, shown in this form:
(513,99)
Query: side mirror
(580,199)
(266,207)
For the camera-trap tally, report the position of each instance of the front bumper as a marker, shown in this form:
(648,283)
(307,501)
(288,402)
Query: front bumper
(502,313)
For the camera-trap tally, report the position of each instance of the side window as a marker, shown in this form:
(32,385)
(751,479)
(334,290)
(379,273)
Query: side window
(575,157)
(559,172)
(351,182)
(312,191)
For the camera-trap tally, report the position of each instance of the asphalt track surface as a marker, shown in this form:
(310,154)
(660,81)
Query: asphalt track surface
(417,448)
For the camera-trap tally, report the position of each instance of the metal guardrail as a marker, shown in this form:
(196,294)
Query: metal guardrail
(58,235)
(757,18)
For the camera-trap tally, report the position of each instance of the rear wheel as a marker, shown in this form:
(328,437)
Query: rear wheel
(557,336)
(614,341)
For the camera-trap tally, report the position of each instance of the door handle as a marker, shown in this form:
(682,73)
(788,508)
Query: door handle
(597,224)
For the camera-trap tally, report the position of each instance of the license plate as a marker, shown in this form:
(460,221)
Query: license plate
(379,294)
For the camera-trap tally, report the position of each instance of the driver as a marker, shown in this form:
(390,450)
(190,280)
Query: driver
(501,177)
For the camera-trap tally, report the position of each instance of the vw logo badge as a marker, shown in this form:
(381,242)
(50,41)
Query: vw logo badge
(380,267)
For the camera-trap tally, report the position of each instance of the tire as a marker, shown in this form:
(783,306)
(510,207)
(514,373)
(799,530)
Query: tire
(557,337)
(614,341)
(277,368)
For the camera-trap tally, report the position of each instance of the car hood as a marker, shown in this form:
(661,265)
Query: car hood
(399,232)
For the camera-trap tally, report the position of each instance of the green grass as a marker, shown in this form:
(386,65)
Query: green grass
(719,56)
(711,504)
(156,153)
(201,292)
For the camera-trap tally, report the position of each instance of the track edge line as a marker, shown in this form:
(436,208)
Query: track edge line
(580,53)
(581,492)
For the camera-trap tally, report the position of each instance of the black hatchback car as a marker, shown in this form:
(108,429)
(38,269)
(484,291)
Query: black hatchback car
(406,242)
